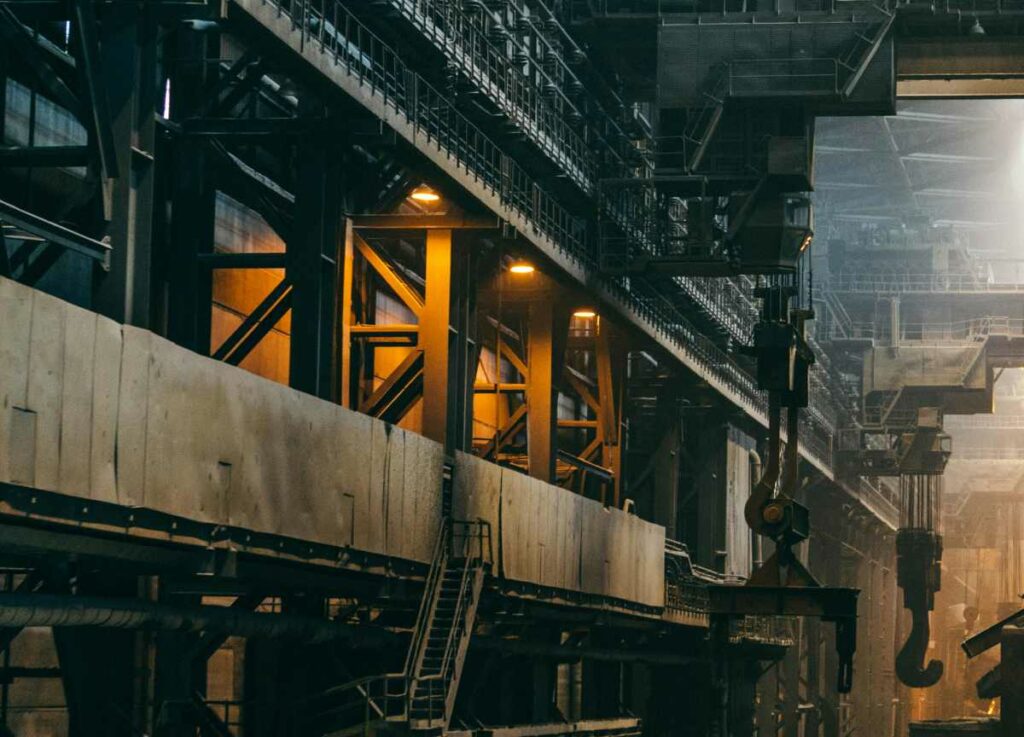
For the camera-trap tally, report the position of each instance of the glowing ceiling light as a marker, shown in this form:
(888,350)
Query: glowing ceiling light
(584,313)
(521,267)
(425,194)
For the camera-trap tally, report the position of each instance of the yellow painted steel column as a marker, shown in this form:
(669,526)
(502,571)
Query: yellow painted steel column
(610,373)
(548,326)
(434,335)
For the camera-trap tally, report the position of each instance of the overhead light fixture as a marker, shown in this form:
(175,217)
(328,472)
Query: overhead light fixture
(976,29)
(425,194)
(584,313)
(521,267)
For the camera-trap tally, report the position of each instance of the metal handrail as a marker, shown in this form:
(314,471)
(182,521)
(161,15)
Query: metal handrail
(477,531)
(429,586)
(956,332)
(761,76)
(376,700)
(899,283)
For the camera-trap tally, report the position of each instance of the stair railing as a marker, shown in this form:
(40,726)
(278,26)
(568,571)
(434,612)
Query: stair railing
(431,592)
(357,704)
(472,543)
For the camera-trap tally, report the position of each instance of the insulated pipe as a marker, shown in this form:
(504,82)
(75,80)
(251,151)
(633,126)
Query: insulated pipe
(573,654)
(48,610)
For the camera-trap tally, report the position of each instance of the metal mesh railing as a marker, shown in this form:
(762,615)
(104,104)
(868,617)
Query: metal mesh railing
(760,77)
(939,283)
(938,333)
(524,101)
(763,630)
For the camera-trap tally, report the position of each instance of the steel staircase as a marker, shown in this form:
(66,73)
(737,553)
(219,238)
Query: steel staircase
(439,650)
(422,696)
(860,55)
(703,124)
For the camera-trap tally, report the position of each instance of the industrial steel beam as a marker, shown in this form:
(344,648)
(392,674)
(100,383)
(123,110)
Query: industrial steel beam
(315,257)
(460,221)
(409,296)
(250,127)
(93,81)
(572,653)
(256,325)
(395,396)
(547,333)
(42,156)
(20,39)
(52,232)
(59,610)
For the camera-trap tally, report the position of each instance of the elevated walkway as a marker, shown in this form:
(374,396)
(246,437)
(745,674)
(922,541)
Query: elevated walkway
(925,284)
(117,444)
(357,63)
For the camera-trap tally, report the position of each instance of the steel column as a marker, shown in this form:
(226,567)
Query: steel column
(435,335)
(315,254)
(128,58)
(193,198)
(610,372)
(548,324)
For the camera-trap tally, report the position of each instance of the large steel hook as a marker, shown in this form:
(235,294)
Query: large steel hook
(918,572)
(910,667)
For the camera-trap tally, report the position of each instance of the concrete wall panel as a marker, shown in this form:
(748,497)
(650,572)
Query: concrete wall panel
(132,408)
(106,381)
(192,439)
(477,493)
(16,319)
(424,467)
(45,385)
(514,505)
(594,548)
(352,457)
(396,536)
(112,412)
(76,401)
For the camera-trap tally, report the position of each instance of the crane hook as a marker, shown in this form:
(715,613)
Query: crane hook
(910,667)
(918,573)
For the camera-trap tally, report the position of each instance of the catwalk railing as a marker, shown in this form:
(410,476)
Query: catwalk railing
(329,28)
(941,333)
(940,283)
(984,422)
(686,596)
(613,8)
(985,453)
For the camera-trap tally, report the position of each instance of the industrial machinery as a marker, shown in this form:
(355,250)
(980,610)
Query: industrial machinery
(919,545)
(762,228)
(783,585)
